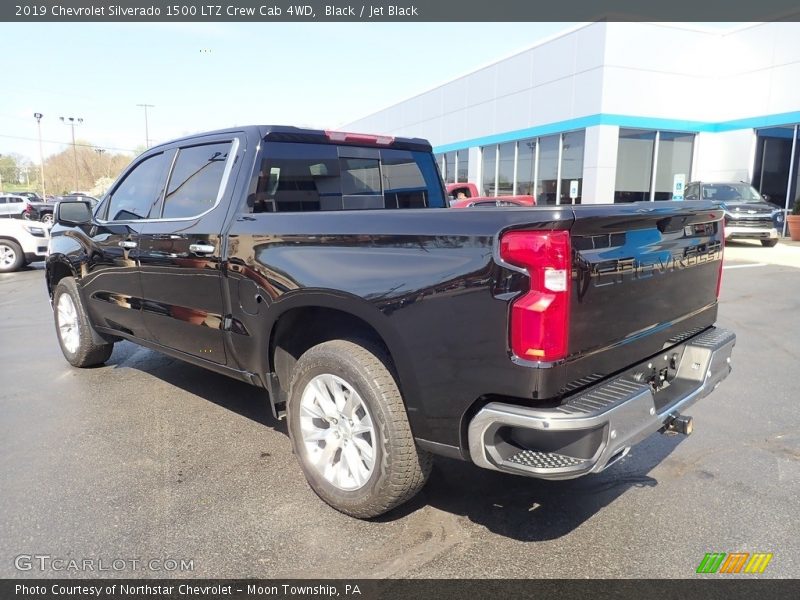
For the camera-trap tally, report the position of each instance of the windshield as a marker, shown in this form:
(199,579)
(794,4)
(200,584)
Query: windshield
(731,192)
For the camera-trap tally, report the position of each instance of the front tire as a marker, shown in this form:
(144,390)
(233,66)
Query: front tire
(769,243)
(11,256)
(75,335)
(350,432)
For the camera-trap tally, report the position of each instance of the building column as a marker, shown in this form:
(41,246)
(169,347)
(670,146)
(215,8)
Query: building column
(600,164)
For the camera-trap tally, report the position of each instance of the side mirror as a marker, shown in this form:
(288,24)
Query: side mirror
(73,212)
(765,197)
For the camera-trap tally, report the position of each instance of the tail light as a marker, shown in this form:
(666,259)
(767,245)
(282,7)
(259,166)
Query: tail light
(28,209)
(539,321)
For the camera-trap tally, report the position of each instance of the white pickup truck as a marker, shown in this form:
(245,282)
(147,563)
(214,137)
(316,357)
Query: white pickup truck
(21,242)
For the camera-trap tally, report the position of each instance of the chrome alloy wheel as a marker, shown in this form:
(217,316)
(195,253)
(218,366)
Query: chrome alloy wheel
(68,323)
(7,256)
(338,432)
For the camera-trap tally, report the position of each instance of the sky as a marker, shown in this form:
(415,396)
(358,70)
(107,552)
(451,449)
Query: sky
(203,76)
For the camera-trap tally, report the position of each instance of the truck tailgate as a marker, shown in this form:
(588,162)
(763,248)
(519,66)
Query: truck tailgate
(645,277)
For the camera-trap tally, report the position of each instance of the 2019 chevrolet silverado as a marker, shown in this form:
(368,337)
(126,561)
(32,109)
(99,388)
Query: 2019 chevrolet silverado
(326,268)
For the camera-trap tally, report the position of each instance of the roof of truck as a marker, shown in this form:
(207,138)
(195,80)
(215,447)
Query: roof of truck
(285,133)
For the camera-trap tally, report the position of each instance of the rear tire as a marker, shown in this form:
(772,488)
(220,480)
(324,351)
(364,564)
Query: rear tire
(12,258)
(769,243)
(75,334)
(350,431)
(47,218)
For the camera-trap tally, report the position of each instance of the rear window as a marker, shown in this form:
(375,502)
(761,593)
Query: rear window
(296,177)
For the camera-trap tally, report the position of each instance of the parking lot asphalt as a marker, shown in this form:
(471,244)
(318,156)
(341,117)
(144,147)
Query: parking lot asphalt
(150,458)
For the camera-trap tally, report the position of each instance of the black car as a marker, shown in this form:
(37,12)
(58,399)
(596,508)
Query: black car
(32,196)
(748,215)
(320,266)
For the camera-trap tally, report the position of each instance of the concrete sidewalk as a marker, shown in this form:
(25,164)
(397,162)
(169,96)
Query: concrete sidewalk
(786,253)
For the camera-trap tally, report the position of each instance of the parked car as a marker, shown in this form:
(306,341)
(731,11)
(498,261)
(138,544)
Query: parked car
(17,207)
(748,215)
(541,342)
(45,210)
(21,242)
(31,196)
(466,195)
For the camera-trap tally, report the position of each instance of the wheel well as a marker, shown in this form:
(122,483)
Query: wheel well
(55,273)
(301,328)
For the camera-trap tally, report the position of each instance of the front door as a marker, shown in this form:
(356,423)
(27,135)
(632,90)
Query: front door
(112,287)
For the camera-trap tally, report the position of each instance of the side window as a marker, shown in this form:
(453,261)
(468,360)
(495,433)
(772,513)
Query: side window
(403,180)
(140,191)
(296,177)
(195,180)
(692,193)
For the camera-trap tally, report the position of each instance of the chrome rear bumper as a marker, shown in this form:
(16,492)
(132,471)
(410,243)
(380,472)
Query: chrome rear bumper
(596,427)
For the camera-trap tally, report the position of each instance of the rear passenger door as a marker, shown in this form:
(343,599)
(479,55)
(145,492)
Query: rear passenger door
(180,251)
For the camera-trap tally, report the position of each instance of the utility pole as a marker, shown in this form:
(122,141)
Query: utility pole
(38,116)
(146,131)
(72,121)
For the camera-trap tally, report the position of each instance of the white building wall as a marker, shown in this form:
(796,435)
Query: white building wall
(600,164)
(604,76)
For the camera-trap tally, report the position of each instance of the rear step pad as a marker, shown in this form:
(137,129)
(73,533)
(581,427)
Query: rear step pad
(545,460)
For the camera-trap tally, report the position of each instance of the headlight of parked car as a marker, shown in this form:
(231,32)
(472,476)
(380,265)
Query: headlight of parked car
(778,215)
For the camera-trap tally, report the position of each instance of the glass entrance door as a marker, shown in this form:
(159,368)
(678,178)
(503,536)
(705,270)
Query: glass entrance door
(775,163)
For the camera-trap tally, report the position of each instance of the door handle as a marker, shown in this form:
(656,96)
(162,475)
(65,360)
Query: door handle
(201,248)
(127,244)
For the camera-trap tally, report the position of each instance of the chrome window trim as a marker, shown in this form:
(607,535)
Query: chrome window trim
(220,193)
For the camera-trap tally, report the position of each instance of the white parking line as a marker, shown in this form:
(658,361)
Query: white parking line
(744,266)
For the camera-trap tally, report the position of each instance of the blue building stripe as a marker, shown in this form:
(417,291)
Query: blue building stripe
(634,122)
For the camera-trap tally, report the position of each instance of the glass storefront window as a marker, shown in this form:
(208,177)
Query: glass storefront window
(450,167)
(674,158)
(505,173)
(526,155)
(463,166)
(634,165)
(548,169)
(489,168)
(572,166)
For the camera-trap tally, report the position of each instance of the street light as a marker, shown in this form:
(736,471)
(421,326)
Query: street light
(38,116)
(72,121)
(100,152)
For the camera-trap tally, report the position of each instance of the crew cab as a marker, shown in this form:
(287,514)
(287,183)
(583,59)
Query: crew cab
(748,215)
(21,243)
(466,195)
(326,268)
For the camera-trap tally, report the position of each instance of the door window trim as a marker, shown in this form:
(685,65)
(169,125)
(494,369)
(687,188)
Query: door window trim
(226,173)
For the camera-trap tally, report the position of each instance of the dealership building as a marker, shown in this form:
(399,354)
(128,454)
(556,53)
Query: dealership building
(619,112)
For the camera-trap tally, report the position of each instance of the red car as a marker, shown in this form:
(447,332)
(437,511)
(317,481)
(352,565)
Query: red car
(465,195)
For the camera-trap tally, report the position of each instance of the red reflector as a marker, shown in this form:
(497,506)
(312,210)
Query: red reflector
(721,257)
(539,320)
(365,138)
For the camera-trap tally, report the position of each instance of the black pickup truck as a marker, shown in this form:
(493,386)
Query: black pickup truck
(326,268)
